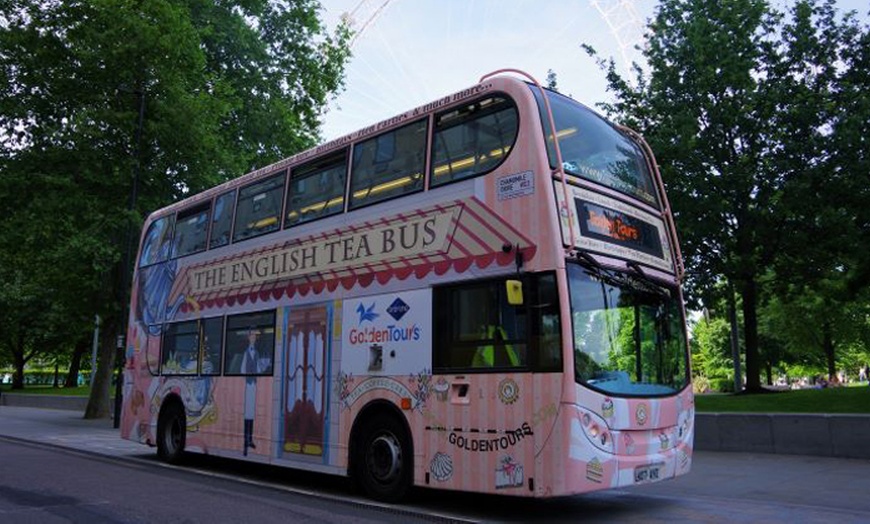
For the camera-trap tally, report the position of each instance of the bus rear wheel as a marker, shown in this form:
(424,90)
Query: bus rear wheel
(383,467)
(171,433)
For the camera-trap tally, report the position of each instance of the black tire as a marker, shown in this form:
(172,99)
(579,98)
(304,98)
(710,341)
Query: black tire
(383,461)
(171,433)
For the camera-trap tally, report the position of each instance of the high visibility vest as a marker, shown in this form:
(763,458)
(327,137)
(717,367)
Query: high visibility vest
(485,356)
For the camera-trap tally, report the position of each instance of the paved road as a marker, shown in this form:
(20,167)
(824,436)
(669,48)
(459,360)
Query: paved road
(45,485)
(723,487)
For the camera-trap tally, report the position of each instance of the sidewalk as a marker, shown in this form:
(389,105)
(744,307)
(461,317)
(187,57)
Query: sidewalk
(67,429)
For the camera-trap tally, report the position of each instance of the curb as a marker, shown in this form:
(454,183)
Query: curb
(44,401)
(825,435)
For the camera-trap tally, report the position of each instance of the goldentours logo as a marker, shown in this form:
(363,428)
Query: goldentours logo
(398,309)
(366,314)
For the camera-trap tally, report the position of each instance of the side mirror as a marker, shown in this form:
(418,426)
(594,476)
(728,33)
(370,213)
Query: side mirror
(514,292)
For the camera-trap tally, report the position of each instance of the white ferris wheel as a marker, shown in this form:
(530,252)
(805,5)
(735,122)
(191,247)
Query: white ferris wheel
(396,64)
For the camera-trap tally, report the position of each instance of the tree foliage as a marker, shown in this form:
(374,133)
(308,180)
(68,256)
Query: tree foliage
(711,349)
(178,94)
(741,104)
(552,80)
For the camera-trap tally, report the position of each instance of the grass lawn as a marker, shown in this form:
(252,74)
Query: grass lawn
(82,391)
(854,399)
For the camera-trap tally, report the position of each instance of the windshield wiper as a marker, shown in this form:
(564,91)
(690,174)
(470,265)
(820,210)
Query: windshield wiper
(588,261)
(640,281)
(636,280)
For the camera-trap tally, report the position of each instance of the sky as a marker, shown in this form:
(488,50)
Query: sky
(410,52)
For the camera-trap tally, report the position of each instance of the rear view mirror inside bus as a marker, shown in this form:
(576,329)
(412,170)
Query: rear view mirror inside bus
(514,292)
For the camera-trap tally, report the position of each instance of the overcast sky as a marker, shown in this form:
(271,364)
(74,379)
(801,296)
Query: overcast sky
(411,52)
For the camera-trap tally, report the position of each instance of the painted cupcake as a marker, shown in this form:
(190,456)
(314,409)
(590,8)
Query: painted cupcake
(441,388)
(607,408)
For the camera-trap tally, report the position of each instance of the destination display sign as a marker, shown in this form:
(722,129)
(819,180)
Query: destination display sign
(611,227)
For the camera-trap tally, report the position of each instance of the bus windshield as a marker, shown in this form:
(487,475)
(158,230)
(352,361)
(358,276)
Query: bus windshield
(595,150)
(628,335)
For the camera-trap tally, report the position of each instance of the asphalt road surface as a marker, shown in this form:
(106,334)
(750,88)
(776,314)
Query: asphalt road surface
(43,483)
(57,467)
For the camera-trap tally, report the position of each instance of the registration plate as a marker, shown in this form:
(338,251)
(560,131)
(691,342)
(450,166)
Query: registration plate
(648,473)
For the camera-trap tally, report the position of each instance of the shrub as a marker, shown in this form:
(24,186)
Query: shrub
(722,385)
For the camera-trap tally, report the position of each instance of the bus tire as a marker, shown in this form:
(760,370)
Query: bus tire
(171,433)
(385,462)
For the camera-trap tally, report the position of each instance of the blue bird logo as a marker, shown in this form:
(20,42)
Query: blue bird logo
(366,314)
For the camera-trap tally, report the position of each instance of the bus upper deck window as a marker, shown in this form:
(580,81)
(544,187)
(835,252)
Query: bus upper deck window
(388,165)
(222,221)
(155,246)
(316,190)
(191,231)
(259,208)
(473,139)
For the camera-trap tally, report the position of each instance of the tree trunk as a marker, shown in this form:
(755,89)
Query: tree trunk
(99,405)
(735,340)
(750,334)
(56,382)
(75,365)
(829,348)
(18,362)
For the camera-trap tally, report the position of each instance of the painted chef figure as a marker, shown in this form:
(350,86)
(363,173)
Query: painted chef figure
(250,367)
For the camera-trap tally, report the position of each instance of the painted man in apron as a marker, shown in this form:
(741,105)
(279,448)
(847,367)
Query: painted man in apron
(250,367)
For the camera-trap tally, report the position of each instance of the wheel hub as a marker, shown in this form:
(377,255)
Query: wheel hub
(385,458)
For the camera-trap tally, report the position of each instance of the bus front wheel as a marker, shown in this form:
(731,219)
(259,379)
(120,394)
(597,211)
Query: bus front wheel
(383,467)
(171,433)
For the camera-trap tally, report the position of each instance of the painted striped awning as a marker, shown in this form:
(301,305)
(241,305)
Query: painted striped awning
(456,236)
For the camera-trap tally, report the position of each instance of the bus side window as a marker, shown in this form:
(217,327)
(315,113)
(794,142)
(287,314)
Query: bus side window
(259,208)
(316,190)
(155,246)
(250,344)
(473,139)
(388,165)
(191,231)
(546,327)
(477,329)
(222,221)
(180,349)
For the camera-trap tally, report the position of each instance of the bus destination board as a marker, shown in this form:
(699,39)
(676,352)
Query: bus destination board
(611,227)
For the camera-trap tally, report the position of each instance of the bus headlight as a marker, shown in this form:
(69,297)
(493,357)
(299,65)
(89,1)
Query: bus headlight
(596,431)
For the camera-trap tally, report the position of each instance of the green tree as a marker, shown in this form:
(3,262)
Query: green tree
(737,106)
(43,254)
(552,81)
(817,276)
(176,95)
(711,349)
(815,327)
(850,159)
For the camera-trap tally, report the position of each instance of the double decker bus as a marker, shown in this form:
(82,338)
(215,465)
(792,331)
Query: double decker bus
(479,294)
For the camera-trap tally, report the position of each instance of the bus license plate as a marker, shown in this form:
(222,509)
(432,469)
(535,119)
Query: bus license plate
(648,473)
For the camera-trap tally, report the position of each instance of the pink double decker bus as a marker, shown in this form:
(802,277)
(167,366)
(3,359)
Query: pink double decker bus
(479,294)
